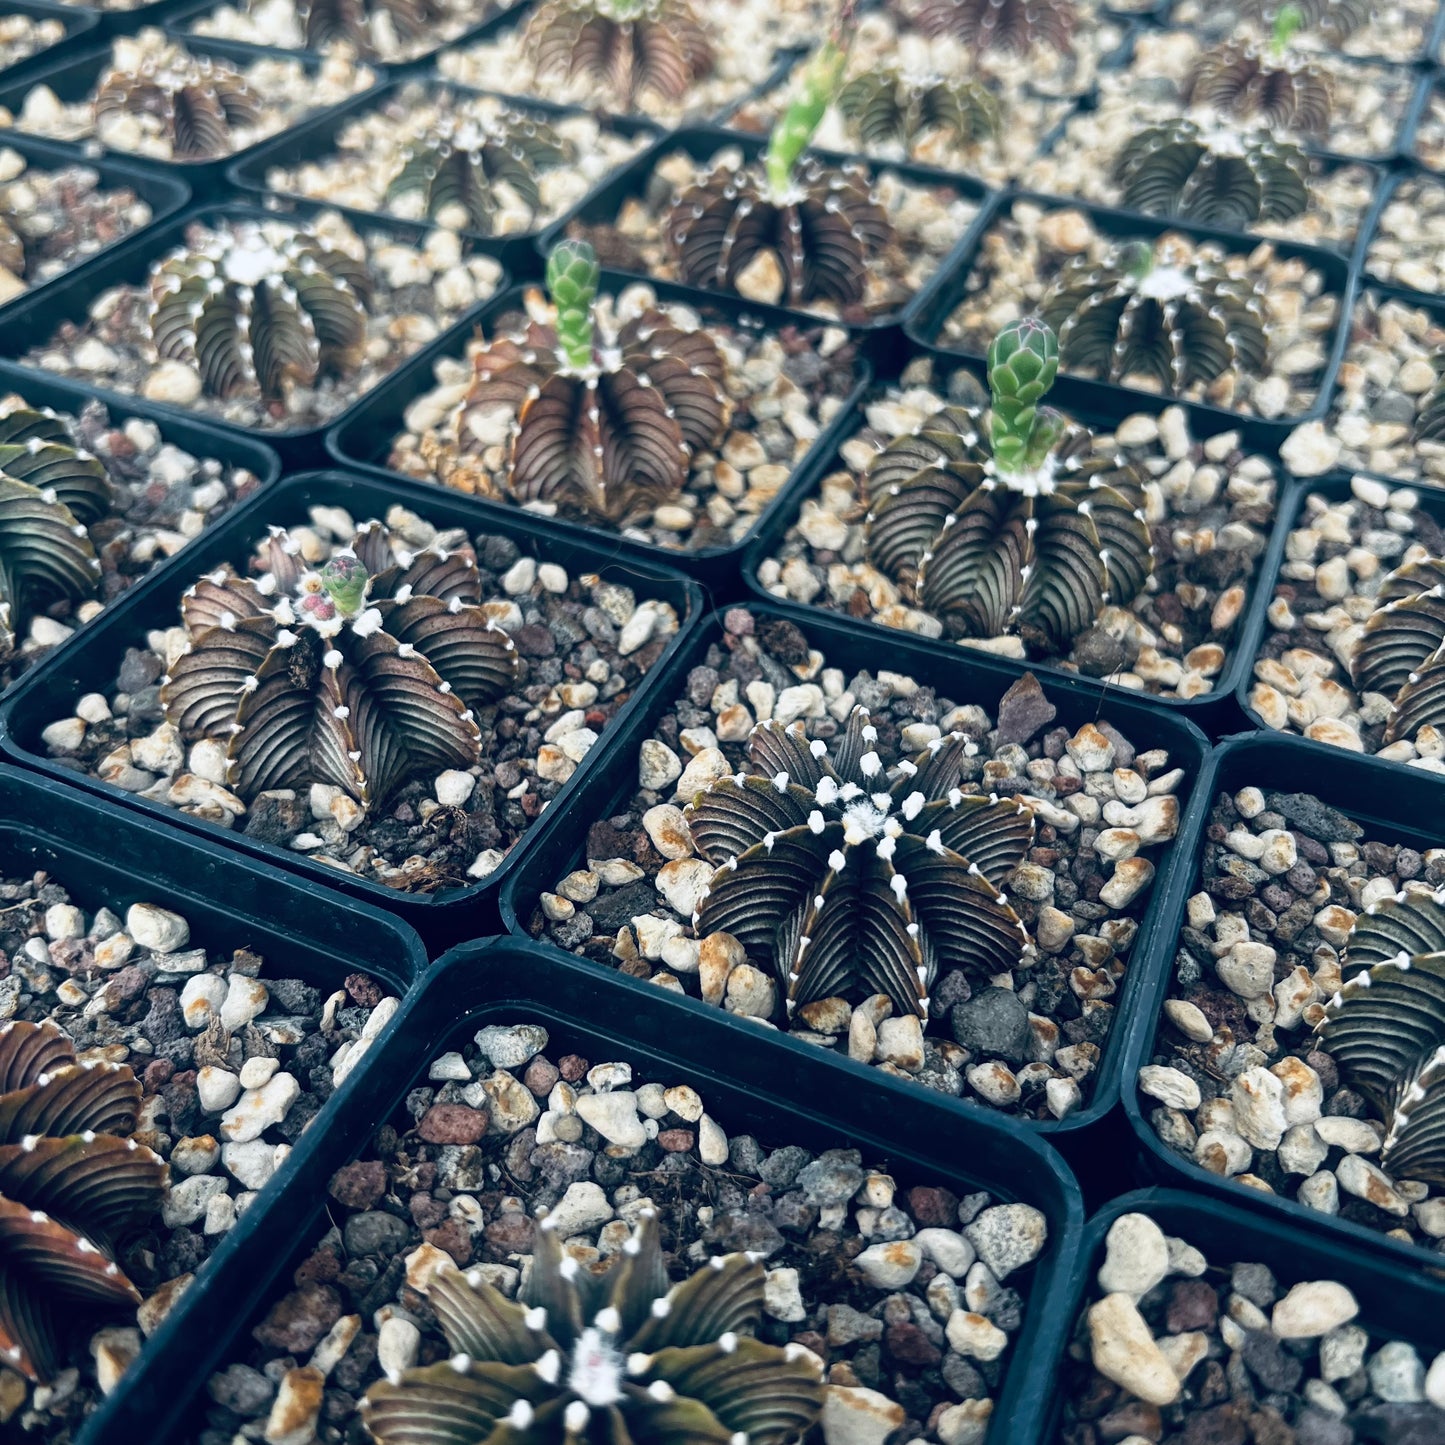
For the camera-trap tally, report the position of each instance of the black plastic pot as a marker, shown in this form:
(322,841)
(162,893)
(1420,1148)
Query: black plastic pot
(790,1095)
(181,17)
(966,678)
(35,319)
(702,142)
(1096,405)
(74,75)
(77,23)
(165,194)
(1266,435)
(316,139)
(1360,789)
(363,440)
(1395,1302)
(88,664)
(1334,487)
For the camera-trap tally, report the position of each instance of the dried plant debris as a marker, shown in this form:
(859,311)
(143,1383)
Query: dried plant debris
(745,39)
(516,1162)
(271,324)
(1402,250)
(1385,387)
(195,1069)
(53,219)
(1396,32)
(469,163)
(388,31)
(748,404)
(1247,331)
(22,36)
(892,234)
(1270,1068)
(1212,1348)
(1353,600)
(437,785)
(160,101)
(946,896)
(139,500)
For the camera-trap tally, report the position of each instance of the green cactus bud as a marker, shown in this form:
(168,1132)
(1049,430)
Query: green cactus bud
(345,578)
(1290,20)
(1023,361)
(572,274)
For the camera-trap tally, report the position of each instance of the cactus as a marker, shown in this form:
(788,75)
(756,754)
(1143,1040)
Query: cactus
(1401,653)
(887,106)
(350,22)
(1013,26)
(1254,81)
(201,101)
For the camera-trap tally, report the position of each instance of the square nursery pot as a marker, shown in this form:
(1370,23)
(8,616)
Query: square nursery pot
(43,391)
(362,440)
(75,72)
(165,193)
(1333,487)
(1368,793)
(114,857)
(1396,1302)
(964,678)
(88,663)
(1096,405)
(701,142)
(69,299)
(77,23)
(182,17)
(315,139)
(926,325)
(783,1095)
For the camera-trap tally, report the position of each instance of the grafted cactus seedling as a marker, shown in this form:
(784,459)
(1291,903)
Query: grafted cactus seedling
(1264,81)
(1159,312)
(1401,653)
(604,426)
(458,166)
(1334,21)
(50,491)
(199,101)
(357,22)
(1009,522)
(634,47)
(359,675)
(259,307)
(1385,1028)
(889,106)
(1013,26)
(71,1186)
(1215,175)
(820,225)
(603,1353)
(852,877)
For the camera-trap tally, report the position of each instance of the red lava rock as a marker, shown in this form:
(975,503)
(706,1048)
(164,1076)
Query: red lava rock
(572,1066)
(453,1237)
(321,1267)
(510,1234)
(362,989)
(1193,1305)
(360,1185)
(910,1346)
(933,1208)
(452,1124)
(675,1141)
(157,1072)
(298,1321)
(541,1076)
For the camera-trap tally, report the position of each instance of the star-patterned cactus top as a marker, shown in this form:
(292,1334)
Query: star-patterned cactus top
(851,877)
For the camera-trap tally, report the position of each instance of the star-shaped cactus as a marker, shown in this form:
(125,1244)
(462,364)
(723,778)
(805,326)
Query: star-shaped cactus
(604,426)
(356,23)
(1215,175)
(636,48)
(1011,521)
(1013,26)
(1385,1028)
(1163,312)
(1264,81)
(890,106)
(1334,21)
(848,877)
(821,224)
(1401,652)
(359,675)
(260,307)
(603,1353)
(458,166)
(71,1186)
(201,101)
(50,491)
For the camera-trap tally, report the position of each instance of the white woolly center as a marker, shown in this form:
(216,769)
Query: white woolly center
(1036,481)
(1223,142)
(864,819)
(597,1369)
(250,261)
(1165,283)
